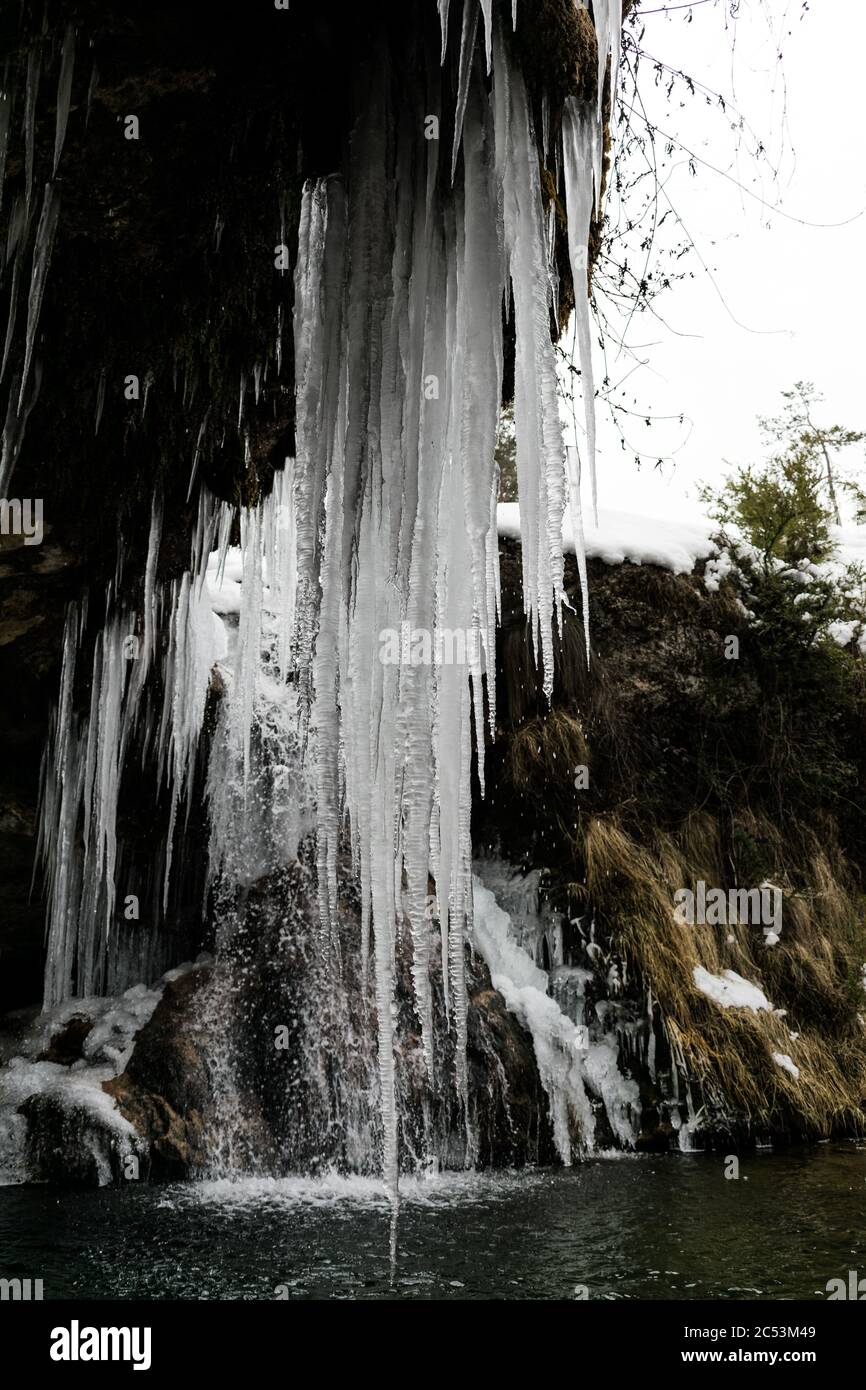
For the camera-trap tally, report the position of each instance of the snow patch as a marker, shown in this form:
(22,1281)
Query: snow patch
(730,990)
(784,1061)
(77,1089)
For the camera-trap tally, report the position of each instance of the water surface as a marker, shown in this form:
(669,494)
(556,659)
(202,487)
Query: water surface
(668,1227)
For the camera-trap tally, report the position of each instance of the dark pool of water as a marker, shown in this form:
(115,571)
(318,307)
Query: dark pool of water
(633,1228)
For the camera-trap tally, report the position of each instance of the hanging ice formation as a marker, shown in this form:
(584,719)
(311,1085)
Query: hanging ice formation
(31,227)
(384,524)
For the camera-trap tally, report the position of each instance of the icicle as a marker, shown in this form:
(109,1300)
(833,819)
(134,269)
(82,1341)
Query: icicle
(319,277)
(64,92)
(14,243)
(5,119)
(540,450)
(467,53)
(32,91)
(148,646)
(241,399)
(608,27)
(552,272)
(197,453)
(577,143)
(41,261)
(61,766)
(572,463)
(85,761)
(187,671)
(91,88)
(443,21)
(100,400)
(487,11)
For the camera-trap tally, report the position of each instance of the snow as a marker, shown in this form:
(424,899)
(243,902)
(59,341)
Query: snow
(77,1089)
(524,987)
(717,569)
(625,536)
(730,990)
(573,1066)
(678,543)
(224,581)
(784,1061)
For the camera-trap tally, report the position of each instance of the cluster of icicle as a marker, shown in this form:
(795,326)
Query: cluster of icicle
(398,369)
(133,722)
(31,225)
(397,493)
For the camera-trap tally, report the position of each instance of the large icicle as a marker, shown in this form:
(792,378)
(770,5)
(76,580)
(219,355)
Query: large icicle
(5,121)
(41,260)
(64,93)
(540,449)
(396,519)
(577,143)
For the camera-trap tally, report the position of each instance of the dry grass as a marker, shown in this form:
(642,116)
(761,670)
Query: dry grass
(728,1052)
(551,746)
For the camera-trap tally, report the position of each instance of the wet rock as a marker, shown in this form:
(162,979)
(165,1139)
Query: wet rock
(73,1143)
(174,1141)
(171,1090)
(166,1091)
(515,1123)
(67,1044)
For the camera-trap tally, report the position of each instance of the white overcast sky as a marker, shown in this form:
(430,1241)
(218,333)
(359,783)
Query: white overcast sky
(797,290)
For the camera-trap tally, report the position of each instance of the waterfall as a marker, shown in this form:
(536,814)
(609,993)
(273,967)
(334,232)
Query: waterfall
(383,523)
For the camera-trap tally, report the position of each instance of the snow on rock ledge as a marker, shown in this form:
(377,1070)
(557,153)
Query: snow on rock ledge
(52,1090)
(674,544)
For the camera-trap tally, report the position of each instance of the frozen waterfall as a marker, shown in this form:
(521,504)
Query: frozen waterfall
(383,523)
